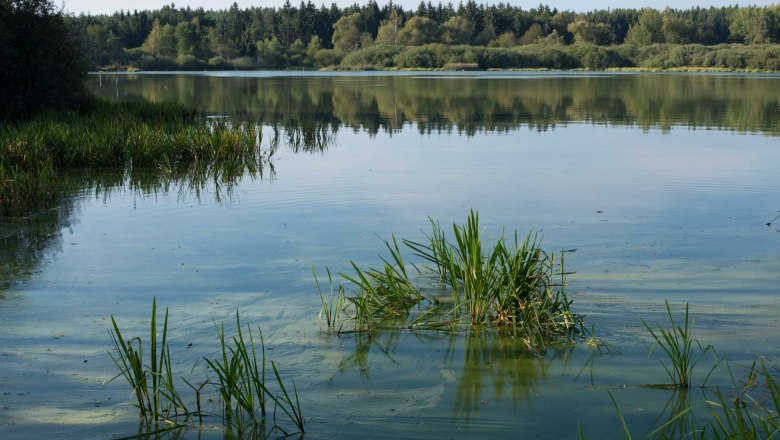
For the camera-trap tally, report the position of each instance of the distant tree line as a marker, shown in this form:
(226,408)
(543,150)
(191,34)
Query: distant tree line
(309,36)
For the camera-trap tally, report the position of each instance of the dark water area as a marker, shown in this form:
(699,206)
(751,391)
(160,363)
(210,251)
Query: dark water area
(662,186)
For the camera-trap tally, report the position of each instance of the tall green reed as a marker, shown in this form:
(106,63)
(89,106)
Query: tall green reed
(679,345)
(151,382)
(240,378)
(241,384)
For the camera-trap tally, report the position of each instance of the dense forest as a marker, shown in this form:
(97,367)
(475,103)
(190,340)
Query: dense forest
(468,35)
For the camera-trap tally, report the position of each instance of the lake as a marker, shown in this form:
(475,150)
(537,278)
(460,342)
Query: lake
(659,186)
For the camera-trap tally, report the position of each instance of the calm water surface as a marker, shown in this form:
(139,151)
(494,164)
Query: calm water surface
(663,184)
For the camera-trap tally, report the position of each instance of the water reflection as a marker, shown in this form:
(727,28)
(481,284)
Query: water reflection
(27,242)
(476,103)
(482,366)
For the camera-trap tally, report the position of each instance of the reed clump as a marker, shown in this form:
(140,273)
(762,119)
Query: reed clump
(683,352)
(151,383)
(115,135)
(513,286)
(238,375)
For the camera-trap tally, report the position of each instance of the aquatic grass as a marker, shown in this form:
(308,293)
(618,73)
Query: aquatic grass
(678,344)
(741,416)
(241,384)
(513,286)
(239,378)
(118,135)
(744,416)
(333,305)
(292,408)
(152,382)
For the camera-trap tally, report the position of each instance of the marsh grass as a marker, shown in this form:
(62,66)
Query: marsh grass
(241,384)
(119,135)
(750,413)
(754,412)
(151,382)
(683,352)
(747,410)
(239,379)
(332,304)
(513,286)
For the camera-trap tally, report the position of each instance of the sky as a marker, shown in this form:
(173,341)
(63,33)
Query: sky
(95,7)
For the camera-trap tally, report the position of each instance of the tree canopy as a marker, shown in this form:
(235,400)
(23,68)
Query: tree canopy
(43,66)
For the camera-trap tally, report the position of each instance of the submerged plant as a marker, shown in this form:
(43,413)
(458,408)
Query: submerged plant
(514,286)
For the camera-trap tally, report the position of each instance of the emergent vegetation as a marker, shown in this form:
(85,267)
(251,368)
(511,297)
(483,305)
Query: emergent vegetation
(513,286)
(240,382)
(750,412)
(475,35)
(678,344)
(118,135)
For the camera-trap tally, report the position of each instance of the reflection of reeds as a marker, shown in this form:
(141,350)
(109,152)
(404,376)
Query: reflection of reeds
(503,362)
(517,288)
(134,134)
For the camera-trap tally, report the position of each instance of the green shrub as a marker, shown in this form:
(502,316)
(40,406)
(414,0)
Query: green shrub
(425,57)
(379,56)
(327,58)
(219,63)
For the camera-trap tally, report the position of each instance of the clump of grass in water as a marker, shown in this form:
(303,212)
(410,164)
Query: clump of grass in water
(240,381)
(739,417)
(242,386)
(152,383)
(745,416)
(514,286)
(678,344)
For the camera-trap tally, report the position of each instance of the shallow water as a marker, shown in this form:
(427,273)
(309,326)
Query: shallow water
(664,185)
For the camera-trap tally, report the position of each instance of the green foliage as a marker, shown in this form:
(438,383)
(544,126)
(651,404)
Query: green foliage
(514,286)
(151,382)
(429,56)
(347,32)
(457,30)
(589,32)
(43,66)
(240,381)
(236,34)
(419,31)
(375,56)
(678,344)
(647,30)
(103,133)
